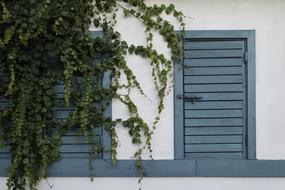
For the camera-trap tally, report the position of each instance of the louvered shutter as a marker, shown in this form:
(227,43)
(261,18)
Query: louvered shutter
(214,98)
(73,144)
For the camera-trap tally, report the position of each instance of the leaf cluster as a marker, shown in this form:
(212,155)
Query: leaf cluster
(46,44)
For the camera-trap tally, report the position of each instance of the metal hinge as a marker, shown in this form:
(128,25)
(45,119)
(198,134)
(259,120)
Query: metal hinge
(245,57)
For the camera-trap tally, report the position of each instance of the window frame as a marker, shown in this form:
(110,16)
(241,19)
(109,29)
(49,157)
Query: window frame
(79,167)
(249,37)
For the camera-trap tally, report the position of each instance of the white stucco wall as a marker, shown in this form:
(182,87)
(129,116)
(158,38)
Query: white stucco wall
(268,19)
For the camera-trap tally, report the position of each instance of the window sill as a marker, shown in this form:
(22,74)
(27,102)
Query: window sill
(165,168)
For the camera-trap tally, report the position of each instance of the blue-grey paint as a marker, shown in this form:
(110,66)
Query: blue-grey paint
(106,83)
(217,66)
(78,167)
(251,109)
(71,167)
(107,113)
(178,109)
(241,168)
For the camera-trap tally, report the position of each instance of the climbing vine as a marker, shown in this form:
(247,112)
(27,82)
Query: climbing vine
(44,43)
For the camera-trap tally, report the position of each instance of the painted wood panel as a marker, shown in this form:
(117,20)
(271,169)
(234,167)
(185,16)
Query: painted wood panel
(204,71)
(209,105)
(221,62)
(214,86)
(217,96)
(213,139)
(214,155)
(227,130)
(217,122)
(213,113)
(212,44)
(195,54)
(213,79)
(213,148)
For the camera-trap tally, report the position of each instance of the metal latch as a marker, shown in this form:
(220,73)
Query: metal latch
(191,99)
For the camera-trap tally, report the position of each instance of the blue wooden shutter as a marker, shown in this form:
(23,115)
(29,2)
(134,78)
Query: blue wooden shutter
(214,105)
(73,144)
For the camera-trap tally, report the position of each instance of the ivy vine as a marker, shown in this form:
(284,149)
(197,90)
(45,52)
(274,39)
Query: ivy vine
(47,42)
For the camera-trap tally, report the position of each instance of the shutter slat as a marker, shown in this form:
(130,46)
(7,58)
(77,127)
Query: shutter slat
(60,96)
(77,148)
(7,155)
(214,122)
(214,105)
(208,155)
(198,71)
(217,96)
(213,148)
(214,88)
(195,54)
(5,150)
(59,89)
(3,103)
(63,114)
(63,155)
(76,140)
(70,144)
(213,131)
(212,79)
(66,140)
(76,131)
(213,139)
(212,113)
(78,155)
(213,45)
(221,62)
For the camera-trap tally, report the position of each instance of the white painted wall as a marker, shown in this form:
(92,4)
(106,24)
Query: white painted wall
(268,19)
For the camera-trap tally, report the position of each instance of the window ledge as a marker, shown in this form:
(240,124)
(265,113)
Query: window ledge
(165,168)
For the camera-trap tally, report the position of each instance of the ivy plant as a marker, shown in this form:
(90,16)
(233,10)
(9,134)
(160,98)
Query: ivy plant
(47,42)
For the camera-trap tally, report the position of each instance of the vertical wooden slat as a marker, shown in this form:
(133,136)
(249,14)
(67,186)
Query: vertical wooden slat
(251,112)
(178,109)
(244,109)
(107,113)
